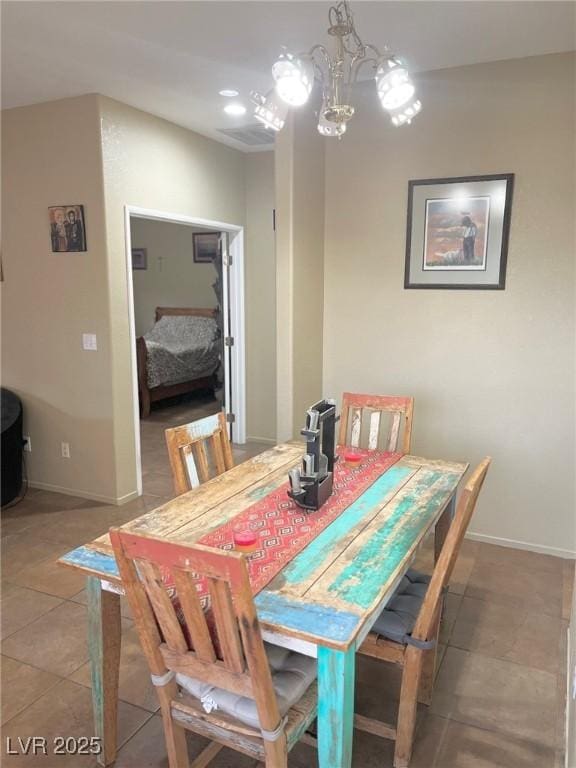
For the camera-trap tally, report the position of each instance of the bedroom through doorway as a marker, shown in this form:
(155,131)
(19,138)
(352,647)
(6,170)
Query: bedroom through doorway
(185,302)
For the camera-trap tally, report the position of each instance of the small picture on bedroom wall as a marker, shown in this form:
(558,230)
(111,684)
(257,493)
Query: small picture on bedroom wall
(139,258)
(206,246)
(67,228)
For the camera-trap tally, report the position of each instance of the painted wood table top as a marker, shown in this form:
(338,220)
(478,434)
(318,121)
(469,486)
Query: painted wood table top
(325,600)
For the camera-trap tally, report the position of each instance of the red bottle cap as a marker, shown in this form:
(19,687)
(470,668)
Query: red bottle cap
(245,539)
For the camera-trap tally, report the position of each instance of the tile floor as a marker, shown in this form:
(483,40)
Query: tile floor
(500,690)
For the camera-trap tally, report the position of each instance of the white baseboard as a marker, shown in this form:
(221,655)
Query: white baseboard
(117,501)
(514,544)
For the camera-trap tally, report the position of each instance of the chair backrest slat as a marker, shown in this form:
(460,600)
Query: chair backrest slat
(450,550)
(199,451)
(189,447)
(398,409)
(194,616)
(228,633)
(162,605)
(244,668)
(356,427)
(188,459)
(374,430)
(216,446)
(392,443)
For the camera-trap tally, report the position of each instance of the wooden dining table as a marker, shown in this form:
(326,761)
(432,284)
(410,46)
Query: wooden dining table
(322,603)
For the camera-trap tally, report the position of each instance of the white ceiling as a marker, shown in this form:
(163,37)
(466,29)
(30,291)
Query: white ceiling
(171,58)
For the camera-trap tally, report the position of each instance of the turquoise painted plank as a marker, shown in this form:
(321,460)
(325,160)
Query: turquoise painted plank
(323,546)
(89,558)
(335,707)
(325,623)
(104,651)
(361,580)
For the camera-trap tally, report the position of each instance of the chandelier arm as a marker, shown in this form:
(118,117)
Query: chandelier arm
(361,63)
(359,51)
(321,73)
(355,64)
(319,49)
(379,55)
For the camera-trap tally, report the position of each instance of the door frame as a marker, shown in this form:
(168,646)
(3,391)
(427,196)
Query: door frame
(237,320)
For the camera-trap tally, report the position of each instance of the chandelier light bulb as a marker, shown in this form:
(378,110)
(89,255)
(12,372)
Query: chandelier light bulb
(404,115)
(294,79)
(270,110)
(394,85)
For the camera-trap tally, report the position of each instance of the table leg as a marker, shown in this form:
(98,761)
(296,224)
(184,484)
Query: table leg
(104,637)
(442,527)
(335,707)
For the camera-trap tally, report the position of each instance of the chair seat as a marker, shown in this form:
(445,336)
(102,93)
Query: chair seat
(292,675)
(398,618)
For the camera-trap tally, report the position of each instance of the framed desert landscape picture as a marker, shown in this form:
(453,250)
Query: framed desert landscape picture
(457,232)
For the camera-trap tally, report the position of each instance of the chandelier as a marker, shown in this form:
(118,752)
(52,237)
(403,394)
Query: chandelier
(337,73)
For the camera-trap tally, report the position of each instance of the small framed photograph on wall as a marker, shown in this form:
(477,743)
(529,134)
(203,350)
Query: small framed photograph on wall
(67,228)
(206,246)
(457,232)
(139,258)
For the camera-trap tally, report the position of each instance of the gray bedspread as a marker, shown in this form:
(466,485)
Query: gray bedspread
(180,348)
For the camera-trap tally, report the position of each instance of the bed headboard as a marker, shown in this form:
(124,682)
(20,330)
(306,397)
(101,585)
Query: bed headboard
(190,311)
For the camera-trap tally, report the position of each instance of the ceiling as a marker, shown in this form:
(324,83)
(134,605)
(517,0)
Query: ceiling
(172,58)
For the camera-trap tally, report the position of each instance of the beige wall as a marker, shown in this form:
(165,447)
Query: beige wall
(172,277)
(260,297)
(104,155)
(492,371)
(300,277)
(51,155)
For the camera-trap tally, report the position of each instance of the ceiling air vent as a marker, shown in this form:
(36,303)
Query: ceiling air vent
(252,135)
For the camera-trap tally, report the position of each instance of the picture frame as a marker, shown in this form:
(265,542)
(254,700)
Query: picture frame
(139,258)
(206,246)
(67,228)
(457,232)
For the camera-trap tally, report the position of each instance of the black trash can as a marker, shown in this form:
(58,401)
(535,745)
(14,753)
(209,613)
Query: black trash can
(12,446)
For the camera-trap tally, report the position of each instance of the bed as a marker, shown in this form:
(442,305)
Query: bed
(180,353)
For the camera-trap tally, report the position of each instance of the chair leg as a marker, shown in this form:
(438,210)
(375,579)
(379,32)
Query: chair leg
(429,665)
(408,707)
(174,734)
(276,753)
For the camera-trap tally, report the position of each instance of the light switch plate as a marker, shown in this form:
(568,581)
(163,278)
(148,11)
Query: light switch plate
(89,342)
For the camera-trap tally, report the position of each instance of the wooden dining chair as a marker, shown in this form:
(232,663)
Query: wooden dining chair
(197,448)
(217,678)
(379,418)
(406,632)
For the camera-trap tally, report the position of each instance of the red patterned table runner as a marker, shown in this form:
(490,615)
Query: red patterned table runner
(283,528)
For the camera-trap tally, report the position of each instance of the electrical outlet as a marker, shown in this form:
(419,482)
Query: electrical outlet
(27,443)
(65,450)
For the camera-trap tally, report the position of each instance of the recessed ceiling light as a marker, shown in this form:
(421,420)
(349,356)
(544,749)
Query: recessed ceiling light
(235,109)
(228,92)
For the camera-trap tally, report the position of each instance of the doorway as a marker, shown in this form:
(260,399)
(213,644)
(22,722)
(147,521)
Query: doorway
(228,301)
